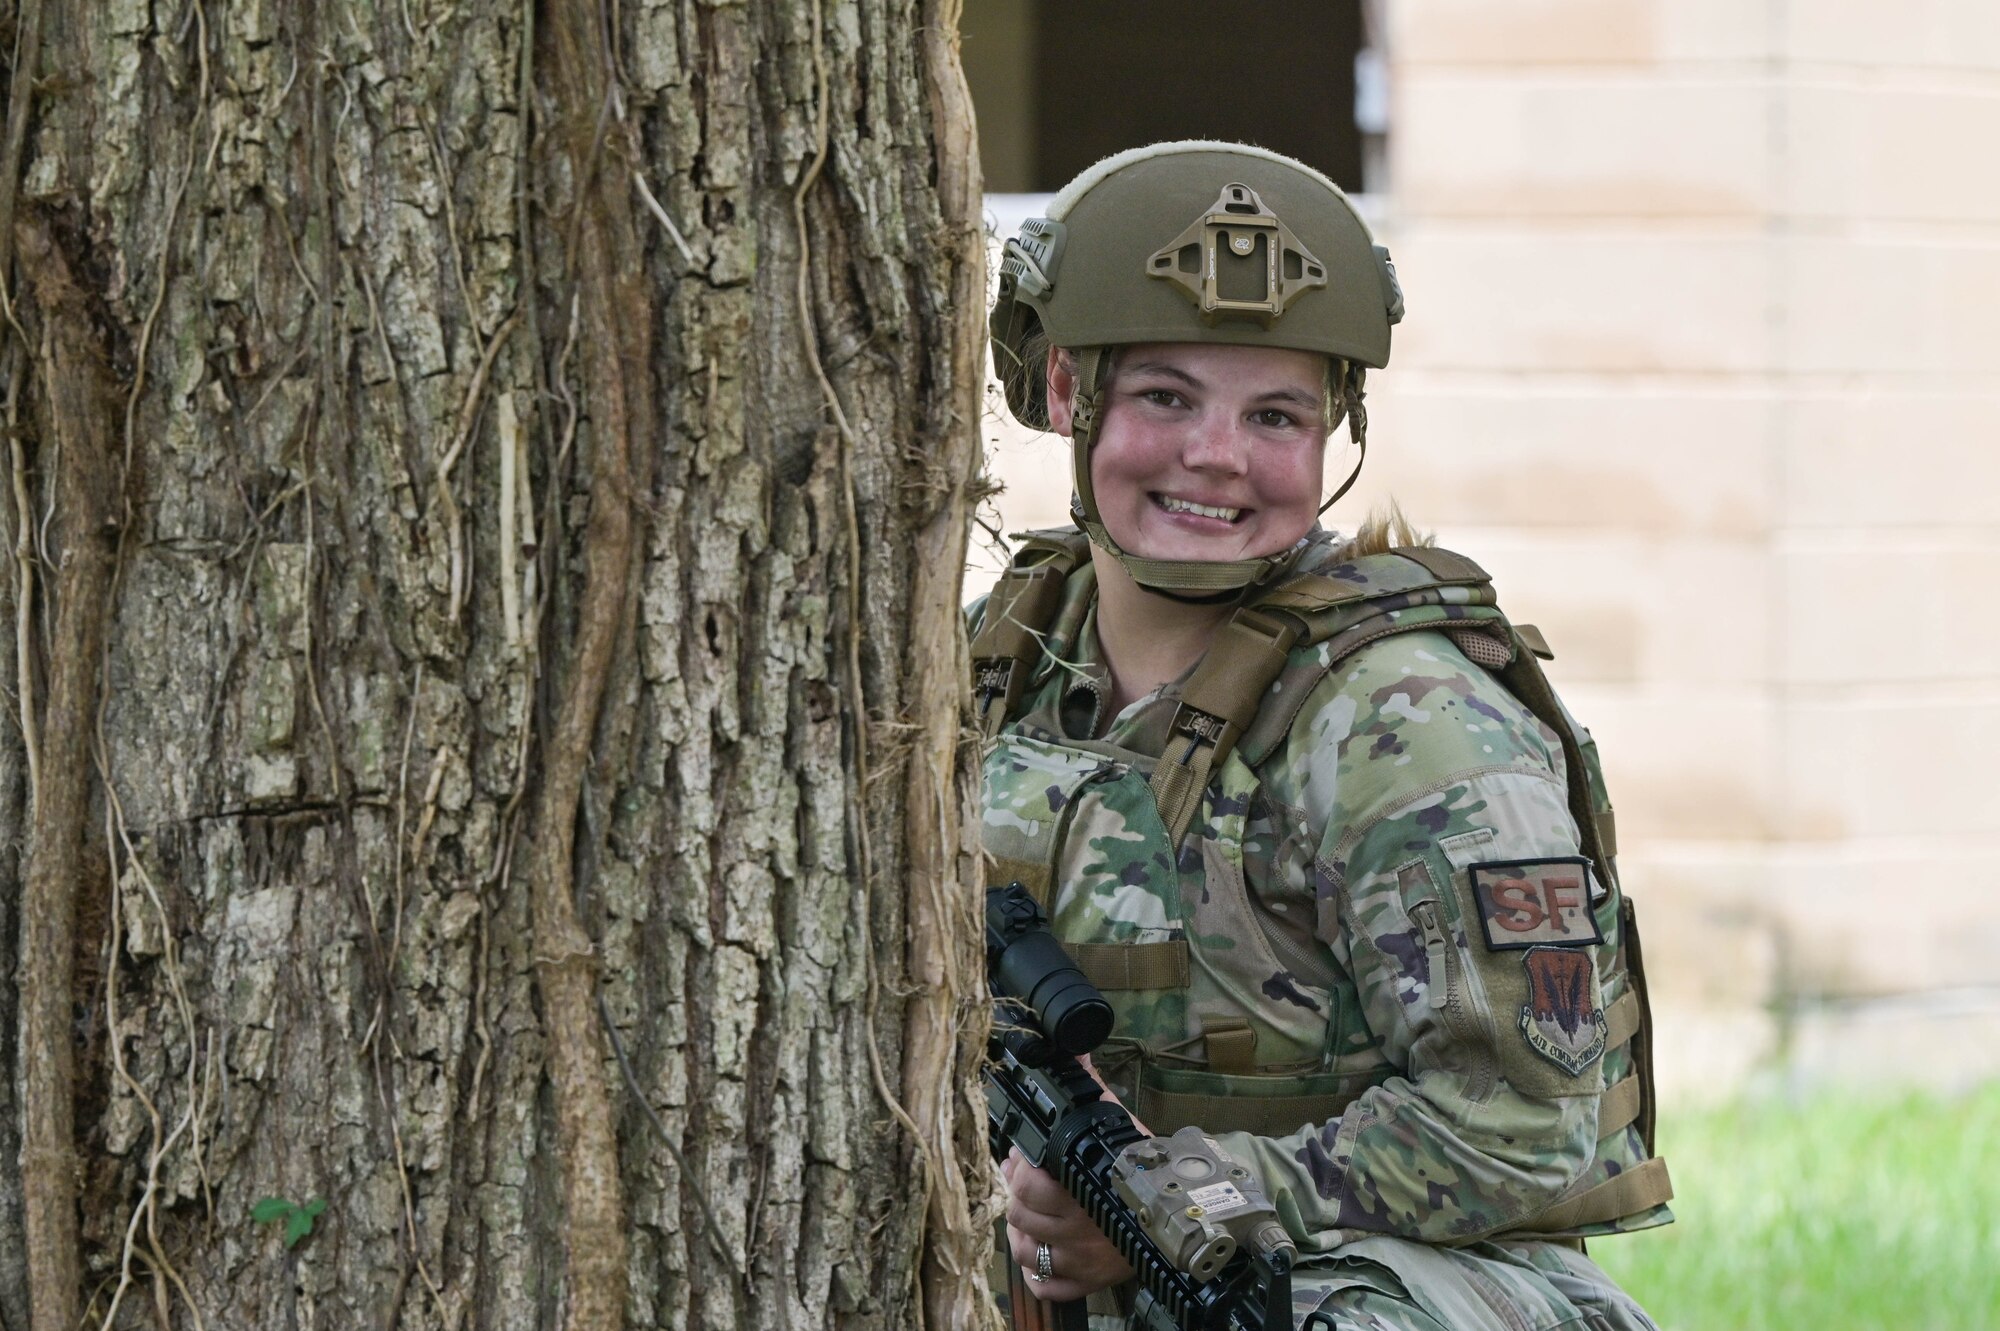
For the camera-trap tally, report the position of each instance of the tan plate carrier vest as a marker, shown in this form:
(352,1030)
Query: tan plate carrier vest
(1228,706)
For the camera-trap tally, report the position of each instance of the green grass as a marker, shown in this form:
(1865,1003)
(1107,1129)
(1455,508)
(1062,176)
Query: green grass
(1835,1214)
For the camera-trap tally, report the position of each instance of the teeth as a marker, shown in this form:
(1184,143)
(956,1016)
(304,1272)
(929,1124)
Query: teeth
(1173,505)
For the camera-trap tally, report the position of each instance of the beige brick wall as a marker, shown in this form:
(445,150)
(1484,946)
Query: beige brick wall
(1703,362)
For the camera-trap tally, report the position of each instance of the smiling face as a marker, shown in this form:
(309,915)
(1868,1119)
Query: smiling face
(1204,452)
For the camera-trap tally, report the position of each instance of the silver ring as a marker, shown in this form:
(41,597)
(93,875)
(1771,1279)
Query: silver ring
(1045,1265)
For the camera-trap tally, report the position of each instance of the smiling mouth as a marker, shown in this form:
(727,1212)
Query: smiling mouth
(1171,504)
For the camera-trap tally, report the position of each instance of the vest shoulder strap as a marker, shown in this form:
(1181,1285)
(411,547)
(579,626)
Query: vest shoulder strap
(1230,696)
(1425,587)
(1018,613)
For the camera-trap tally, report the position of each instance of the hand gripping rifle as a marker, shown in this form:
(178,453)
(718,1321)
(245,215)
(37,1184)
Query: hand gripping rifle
(1205,1242)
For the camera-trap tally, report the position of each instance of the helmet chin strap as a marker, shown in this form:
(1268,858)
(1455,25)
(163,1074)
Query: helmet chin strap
(1352,392)
(1191,581)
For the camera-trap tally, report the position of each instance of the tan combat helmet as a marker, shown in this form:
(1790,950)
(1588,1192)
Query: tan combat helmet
(1191,242)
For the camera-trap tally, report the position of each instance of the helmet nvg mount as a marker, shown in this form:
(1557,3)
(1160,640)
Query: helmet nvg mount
(1191,242)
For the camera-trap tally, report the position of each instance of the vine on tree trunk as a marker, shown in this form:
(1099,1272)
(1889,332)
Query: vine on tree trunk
(603,263)
(79,427)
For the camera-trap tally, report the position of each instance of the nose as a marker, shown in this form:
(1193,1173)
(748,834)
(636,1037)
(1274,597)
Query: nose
(1217,444)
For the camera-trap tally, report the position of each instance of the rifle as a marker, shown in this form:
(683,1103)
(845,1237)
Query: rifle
(1204,1241)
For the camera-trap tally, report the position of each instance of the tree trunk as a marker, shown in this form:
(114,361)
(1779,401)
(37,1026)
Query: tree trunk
(488,840)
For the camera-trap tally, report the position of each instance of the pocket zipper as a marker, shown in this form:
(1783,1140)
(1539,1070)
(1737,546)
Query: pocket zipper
(1458,1018)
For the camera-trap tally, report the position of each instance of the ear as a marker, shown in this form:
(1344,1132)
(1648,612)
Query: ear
(1062,391)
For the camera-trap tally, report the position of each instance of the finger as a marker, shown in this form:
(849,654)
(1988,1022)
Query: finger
(1074,1232)
(1039,1191)
(1069,1231)
(1058,1289)
(1027,1255)
(1078,1256)
(1021,1247)
(1073,1273)
(1037,1225)
(1062,1217)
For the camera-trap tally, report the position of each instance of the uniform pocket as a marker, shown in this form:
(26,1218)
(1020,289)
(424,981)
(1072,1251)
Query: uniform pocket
(1240,973)
(1353,1293)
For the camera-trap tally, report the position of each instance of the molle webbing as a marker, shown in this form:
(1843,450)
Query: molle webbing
(1622,1020)
(1619,1107)
(1445,565)
(1311,591)
(1628,1192)
(1163,965)
(1630,1097)
(1231,1045)
(1163,1111)
(1166,1112)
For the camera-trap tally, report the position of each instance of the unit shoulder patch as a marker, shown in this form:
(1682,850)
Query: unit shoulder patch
(1563,1019)
(1534,903)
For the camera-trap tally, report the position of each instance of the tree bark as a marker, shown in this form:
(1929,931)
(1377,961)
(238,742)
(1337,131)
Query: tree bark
(485,743)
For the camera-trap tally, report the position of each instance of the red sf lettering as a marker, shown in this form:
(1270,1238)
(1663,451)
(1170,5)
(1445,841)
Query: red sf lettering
(1521,910)
(1535,903)
(1563,895)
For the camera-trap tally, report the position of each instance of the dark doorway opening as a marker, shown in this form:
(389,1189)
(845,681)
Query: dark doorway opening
(1058,84)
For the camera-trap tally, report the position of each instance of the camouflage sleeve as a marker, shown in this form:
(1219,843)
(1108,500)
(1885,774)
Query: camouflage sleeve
(1451,889)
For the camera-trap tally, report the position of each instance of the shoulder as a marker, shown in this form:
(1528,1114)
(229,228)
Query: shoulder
(1063,551)
(1401,717)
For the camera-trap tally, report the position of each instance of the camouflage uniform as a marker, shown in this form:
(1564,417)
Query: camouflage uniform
(1335,903)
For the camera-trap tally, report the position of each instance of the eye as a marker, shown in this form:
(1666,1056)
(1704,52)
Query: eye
(1274,419)
(1160,397)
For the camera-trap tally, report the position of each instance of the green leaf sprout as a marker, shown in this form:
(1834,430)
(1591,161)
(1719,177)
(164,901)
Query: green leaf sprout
(298,1219)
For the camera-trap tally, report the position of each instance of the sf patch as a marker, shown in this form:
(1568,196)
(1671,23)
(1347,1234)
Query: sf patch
(1535,903)
(1563,1019)
(1541,909)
